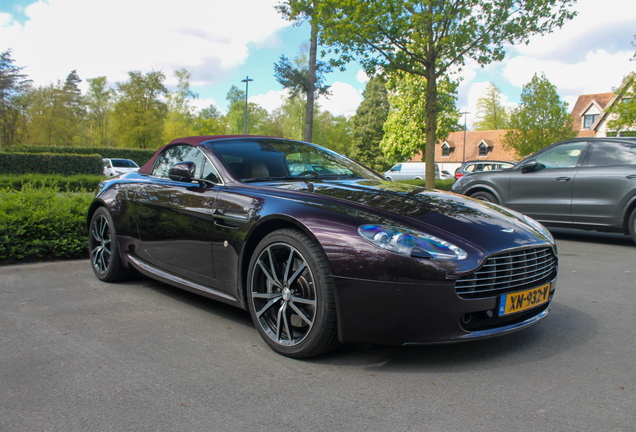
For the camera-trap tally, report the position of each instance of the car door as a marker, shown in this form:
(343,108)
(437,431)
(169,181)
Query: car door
(545,193)
(174,218)
(604,184)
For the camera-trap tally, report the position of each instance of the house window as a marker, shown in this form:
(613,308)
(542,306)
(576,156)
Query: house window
(589,120)
(483,149)
(626,100)
(445,150)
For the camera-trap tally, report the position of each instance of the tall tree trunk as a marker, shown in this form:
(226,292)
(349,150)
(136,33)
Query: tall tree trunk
(431,109)
(309,115)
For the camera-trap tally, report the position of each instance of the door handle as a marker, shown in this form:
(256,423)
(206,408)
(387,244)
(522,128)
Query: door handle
(562,179)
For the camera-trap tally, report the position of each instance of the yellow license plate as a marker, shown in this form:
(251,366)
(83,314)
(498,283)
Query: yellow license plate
(523,300)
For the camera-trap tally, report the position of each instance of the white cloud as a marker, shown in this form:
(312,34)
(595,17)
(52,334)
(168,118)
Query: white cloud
(199,104)
(204,36)
(344,99)
(362,76)
(270,100)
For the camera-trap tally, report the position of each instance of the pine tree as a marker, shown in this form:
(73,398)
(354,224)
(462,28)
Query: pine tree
(491,114)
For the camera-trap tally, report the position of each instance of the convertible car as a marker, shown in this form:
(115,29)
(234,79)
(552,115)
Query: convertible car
(328,254)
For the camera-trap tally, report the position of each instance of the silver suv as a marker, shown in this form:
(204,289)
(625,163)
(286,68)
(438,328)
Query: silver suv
(585,183)
(479,166)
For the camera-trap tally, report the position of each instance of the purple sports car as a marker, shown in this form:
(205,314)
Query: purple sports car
(320,249)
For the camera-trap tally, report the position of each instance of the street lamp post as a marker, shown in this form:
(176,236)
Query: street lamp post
(465,113)
(246,81)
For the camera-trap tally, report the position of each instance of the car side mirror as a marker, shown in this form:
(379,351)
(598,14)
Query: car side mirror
(182,171)
(531,165)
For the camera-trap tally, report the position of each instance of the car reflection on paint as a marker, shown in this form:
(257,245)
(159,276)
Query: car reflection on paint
(317,257)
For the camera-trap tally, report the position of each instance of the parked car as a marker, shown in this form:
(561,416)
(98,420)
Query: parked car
(586,183)
(409,171)
(445,175)
(471,167)
(114,167)
(319,259)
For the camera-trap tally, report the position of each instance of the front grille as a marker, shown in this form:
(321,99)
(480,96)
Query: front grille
(507,272)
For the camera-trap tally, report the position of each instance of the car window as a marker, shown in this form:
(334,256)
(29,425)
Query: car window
(397,167)
(612,154)
(184,153)
(562,156)
(470,168)
(124,163)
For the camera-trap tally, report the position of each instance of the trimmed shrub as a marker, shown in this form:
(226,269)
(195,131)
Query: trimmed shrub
(140,156)
(40,223)
(47,163)
(76,183)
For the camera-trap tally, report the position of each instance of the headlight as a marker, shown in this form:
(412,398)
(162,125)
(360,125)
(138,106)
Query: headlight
(410,243)
(536,225)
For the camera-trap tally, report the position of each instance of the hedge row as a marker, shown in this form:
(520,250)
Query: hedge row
(42,223)
(140,156)
(446,185)
(76,183)
(46,163)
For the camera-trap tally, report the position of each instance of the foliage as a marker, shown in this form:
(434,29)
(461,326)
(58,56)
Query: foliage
(210,121)
(75,183)
(540,119)
(368,125)
(140,110)
(13,85)
(428,38)
(622,114)
(406,128)
(491,114)
(99,102)
(257,116)
(180,120)
(46,163)
(41,222)
(299,11)
(333,132)
(140,156)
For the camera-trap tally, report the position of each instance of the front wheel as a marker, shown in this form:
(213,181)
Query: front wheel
(290,295)
(104,249)
(485,196)
(632,225)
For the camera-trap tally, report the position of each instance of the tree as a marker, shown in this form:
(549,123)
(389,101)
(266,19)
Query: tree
(333,132)
(429,37)
(311,79)
(140,110)
(99,104)
(405,132)
(622,113)
(368,125)
(180,119)
(540,119)
(258,121)
(210,121)
(491,114)
(13,86)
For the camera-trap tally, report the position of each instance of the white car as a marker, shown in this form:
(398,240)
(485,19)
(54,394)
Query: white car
(445,175)
(114,167)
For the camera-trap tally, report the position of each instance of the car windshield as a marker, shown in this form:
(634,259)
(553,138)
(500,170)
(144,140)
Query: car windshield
(124,163)
(262,160)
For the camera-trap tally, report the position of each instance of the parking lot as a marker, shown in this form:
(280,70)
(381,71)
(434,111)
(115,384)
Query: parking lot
(81,355)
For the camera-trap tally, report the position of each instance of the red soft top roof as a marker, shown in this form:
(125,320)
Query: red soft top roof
(193,141)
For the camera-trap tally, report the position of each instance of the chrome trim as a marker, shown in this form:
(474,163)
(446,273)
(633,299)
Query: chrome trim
(137,262)
(507,271)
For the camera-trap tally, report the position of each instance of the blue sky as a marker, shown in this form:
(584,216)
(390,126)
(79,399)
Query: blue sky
(221,42)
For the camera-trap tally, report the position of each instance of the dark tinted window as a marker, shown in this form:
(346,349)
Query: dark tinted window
(124,163)
(611,154)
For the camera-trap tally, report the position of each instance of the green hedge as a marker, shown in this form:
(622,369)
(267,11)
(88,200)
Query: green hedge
(47,163)
(74,183)
(140,156)
(40,223)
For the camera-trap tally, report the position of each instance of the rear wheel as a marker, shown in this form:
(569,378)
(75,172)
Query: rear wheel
(485,196)
(632,225)
(103,248)
(290,295)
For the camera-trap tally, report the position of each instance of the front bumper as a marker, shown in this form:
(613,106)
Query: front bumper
(390,313)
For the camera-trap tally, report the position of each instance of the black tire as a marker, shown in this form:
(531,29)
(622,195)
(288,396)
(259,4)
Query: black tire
(290,295)
(632,225)
(104,249)
(485,196)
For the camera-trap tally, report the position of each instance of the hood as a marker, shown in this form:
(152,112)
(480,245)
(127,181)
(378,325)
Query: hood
(488,225)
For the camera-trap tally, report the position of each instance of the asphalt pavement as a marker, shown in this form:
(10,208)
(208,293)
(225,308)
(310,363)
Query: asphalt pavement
(77,354)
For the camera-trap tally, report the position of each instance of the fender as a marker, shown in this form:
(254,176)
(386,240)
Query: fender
(484,187)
